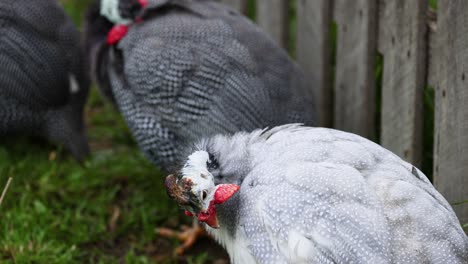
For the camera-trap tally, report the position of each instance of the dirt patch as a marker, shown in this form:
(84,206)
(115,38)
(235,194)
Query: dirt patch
(160,251)
(212,249)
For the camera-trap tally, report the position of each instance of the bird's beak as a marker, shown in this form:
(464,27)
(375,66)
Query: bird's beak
(222,193)
(181,192)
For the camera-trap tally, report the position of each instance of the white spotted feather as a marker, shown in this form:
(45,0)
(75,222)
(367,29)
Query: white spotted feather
(316,195)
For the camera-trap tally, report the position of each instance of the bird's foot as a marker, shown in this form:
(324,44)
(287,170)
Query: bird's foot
(188,236)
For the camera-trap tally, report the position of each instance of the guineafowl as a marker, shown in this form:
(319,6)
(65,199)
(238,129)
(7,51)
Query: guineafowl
(182,70)
(296,194)
(43,80)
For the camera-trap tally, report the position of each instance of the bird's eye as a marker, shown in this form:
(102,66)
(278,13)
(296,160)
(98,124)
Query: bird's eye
(204,195)
(212,163)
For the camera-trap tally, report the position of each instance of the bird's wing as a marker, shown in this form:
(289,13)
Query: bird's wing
(35,57)
(179,70)
(157,142)
(347,195)
(313,213)
(287,87)
(208,45)
(167,84)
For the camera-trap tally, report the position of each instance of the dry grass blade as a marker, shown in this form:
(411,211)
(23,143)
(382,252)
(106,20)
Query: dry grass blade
(5,189)
(114,218)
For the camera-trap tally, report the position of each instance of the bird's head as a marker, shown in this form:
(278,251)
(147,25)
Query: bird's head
(122,13)
(195,188)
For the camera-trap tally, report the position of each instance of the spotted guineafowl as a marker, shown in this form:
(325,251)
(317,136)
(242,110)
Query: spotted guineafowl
(182,70)
(296,194)
(43,82)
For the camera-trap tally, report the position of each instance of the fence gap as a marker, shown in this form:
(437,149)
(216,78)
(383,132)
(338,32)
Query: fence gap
(379,70)
(252,9)
(334,45)
(429,92)
(292,28)
(428,134)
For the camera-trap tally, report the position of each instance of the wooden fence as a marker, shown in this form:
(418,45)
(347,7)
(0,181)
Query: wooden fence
(420,46)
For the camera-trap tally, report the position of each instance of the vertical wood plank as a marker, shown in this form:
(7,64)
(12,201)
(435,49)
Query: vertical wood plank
(272,16)
(239,5)
(432,48)
(402,41)
(354,80)
(314,53)
(451,117)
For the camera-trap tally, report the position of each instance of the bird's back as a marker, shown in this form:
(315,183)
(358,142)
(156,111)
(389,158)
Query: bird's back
(323,195)
(43,81)
(199,68)
(37,46)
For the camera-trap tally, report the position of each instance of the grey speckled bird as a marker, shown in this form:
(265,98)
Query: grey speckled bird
(316,195)
(43,83)
(191,69)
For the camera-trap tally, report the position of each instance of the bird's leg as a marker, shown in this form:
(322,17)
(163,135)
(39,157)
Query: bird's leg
(188,236)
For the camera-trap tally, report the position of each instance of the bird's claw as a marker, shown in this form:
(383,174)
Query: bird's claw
(188,236)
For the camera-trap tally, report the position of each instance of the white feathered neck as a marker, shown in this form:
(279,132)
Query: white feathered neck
(110,9)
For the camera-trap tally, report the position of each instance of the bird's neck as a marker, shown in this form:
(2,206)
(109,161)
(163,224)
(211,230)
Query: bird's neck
(231,234)
(236,244)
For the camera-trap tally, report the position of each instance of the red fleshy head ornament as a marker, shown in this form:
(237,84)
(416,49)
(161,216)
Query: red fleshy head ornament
(143,3)
(209,217)
(116,34)
(188,213)
(223,193)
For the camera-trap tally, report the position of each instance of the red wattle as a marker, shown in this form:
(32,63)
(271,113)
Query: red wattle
(143,3)
(224,192)
(209,217)
(187,213)
(116,34)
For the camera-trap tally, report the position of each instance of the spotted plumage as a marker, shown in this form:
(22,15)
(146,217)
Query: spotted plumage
(316,195)
(43,83)
(192,69)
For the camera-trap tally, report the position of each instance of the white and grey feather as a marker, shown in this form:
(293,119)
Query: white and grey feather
(197,68)
(316,195)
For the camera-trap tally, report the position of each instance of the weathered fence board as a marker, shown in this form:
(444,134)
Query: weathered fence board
(432,48)
(402,41)
(451,126)
(272,16)
(413,57)
(354,79)
(239,5)
(313,50)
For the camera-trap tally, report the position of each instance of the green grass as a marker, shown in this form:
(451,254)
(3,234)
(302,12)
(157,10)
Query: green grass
(75,9)
(57,211)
